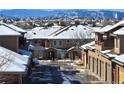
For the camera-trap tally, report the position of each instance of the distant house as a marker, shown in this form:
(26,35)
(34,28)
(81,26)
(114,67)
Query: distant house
(60,38)
(13,66)
(11,37)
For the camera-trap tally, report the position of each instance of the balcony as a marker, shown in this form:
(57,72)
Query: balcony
(105,45)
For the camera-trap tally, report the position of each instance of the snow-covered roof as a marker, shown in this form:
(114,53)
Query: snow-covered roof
(95,28)
(119,32)
(105,51)
(38,28)
(121,23)
(104,29)
(91,47)
(18,29)
(73,48)
(75,32)
(58,32)
(11,61)
(31,47)
(120,58)
(13,27)
(110,27)
(6,31)
(41,34)
(109,53)
(88,44)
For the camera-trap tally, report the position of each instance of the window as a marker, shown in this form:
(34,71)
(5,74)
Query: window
(67,41)
(116,40)
(105,71)
(104,37)
(60,42)
(93,64)
(35,41)
(100,68)
(54,42)
(96,37)
(97,65)
(89,61)
(39,42)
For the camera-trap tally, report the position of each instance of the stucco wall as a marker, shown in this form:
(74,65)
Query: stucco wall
(101,66)
(10,42)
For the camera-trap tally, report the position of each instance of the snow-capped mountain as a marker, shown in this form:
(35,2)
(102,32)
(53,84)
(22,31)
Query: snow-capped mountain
(22,13)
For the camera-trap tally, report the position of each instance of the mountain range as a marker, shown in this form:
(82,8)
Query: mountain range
(102,13)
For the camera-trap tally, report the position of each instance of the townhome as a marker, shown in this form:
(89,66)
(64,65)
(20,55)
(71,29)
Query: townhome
(56,40)
(13,66)
(9,38)
(22,39)
(117,57)
(103,58)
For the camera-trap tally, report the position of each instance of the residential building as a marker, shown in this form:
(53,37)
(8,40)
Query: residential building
(104,58)
(9,38)
(22,39)
(13,66)
(59,39)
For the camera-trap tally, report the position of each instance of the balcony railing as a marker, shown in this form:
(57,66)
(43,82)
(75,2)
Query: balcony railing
(104,45)
(99,42)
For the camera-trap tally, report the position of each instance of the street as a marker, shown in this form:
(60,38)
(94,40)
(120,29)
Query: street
(59,73)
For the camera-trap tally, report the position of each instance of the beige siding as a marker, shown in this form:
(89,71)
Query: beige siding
(102,70)
(101,65)
(119,74)
(120,48)
(95,66)
(10,42)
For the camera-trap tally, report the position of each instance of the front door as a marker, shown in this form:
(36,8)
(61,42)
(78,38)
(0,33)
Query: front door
(52,55)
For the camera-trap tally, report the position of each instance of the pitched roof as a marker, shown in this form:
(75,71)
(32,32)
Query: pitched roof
(91,44)
(6,31)
(41,33)
(69,32)
(16,28)
(109,28)
(11,61)
(119,32)
(104,29)
(75,32)
(119,59)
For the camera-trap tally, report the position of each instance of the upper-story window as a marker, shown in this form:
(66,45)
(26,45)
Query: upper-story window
(35,41)
(104,37)
(54,42)
(67,41)
(116,42)
(39,42)
(60,42)
(96,37)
